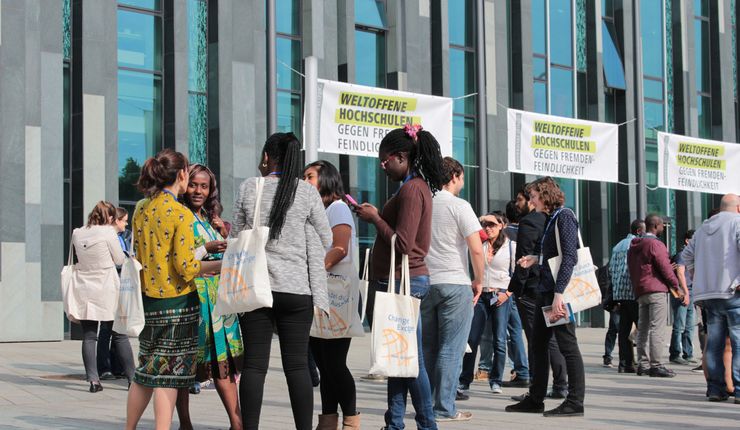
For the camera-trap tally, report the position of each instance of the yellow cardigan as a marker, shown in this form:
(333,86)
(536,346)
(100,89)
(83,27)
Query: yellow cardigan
(165,246)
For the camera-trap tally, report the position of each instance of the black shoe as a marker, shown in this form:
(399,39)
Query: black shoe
(527,406)
(661,372)
(459,395)
(95,387)
(607,362)
(566,409)
(642,371)
(627,369)
(557,394)
(520,397)
(516,382)
(718,397)
(107,376)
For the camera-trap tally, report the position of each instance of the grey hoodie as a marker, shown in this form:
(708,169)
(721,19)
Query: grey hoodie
(714,254)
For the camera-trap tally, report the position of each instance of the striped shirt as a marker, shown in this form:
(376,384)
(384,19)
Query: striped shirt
(620,277)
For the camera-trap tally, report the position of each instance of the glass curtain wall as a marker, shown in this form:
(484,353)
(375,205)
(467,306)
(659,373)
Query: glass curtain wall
(139,90)
(288,52)
(461,24)
(370,69)
(553,66)
(198,81)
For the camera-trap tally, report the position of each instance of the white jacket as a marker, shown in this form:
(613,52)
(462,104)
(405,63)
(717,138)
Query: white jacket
(96,283)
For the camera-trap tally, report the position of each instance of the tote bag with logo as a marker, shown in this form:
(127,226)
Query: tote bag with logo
(130,314)
(393,347)
(244,284)
(583,290)
(343,319)
(68,286)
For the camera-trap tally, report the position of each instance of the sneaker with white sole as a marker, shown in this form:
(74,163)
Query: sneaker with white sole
(459,416)
(496,388)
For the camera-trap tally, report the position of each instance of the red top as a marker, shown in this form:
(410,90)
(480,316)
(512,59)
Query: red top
(650,266)
(408,214)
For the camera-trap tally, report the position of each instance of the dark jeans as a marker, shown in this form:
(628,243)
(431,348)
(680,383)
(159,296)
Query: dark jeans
(107,353)
(527,305)
(89,347)
(629,312)
(565,335)
(611,334)
(399,388)
(683,325)
(337,383)
(292,315)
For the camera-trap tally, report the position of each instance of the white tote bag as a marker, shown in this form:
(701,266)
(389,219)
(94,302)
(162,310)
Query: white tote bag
(343,319)
(244,284)
(68,286)
(583,290)
(393,348)
(130,314)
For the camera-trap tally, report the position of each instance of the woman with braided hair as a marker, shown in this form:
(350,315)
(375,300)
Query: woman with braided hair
(409,155)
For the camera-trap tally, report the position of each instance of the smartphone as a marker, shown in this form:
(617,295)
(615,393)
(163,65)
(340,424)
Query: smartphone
(351,201)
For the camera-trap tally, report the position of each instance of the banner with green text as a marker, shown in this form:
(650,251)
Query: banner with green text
(353,119)
(547,145)
(691,164)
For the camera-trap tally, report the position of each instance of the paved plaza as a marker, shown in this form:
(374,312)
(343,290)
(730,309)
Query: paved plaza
(42,387)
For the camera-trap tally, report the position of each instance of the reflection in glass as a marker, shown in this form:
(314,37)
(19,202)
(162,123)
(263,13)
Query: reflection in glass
(198,120)
(561,91)
(139,126)
(462,80)
(67,28)
(370,13)
(370,59)
(539,71)
(461,26)
(652,38)
(653,89)
(288,53)
(198,45)
(287,16)
(704,111)
(139,40)
(561,32)
(463,150)
(289,112)
(654,119)
(701,44)
(539,27)
(144,4)
(613,67)
(540,97)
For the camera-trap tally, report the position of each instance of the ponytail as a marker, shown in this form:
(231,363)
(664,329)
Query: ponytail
(423,152)
(160,171)
(285,150)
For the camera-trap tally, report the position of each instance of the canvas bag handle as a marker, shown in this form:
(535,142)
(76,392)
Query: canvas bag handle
(258,201)
(404,271)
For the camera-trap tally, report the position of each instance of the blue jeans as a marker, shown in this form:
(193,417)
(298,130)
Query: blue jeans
(517,350)
(611,334)
(683,325)
(446,314)
(723,319)
(419,387)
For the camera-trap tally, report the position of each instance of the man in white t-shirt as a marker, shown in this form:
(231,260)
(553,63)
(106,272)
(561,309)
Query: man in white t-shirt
(447,310)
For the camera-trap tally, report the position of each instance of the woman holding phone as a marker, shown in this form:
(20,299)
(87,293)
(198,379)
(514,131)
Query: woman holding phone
(547,198)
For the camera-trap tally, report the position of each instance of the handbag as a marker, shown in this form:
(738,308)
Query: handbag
(129,318)
(394,349)
(68,286)
(582,291)
(244,284)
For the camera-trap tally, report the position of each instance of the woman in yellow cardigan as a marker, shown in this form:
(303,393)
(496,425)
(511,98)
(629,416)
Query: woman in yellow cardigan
(164,244)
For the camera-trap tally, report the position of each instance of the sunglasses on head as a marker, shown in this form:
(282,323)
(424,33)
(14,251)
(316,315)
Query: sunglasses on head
(490,224)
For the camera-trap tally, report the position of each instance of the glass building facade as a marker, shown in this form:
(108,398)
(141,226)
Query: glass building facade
(184,80)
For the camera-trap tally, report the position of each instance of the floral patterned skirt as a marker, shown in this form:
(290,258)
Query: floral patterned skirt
(168,345)
(220,348)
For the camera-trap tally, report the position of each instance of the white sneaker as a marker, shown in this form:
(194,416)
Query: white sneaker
(496,388)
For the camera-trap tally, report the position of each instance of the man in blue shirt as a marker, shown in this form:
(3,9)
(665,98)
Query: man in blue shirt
(681,350)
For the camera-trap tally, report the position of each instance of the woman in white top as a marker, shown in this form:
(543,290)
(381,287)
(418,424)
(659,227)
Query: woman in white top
(337,384)
(96,285)
(494,303)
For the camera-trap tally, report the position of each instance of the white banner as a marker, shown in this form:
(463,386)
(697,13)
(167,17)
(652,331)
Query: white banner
(691,164)
(547,145)
(353,119)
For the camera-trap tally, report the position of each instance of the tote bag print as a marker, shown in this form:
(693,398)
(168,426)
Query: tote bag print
(244,284)
(337,323)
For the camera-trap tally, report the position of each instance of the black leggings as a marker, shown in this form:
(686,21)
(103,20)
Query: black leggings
(292,315)
(337,383)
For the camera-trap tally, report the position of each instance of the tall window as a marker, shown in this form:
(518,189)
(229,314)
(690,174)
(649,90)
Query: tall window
(553,66)
(370,70)
(462,82)
(288,27)
(702,49)
(139,90)
(198,80)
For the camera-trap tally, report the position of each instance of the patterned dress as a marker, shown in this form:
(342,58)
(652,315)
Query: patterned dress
(220,348)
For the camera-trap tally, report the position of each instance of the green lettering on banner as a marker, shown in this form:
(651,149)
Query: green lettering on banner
(562,129)
(701,163)
(374,119)
(572,145)
(380,102)
(702,149)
